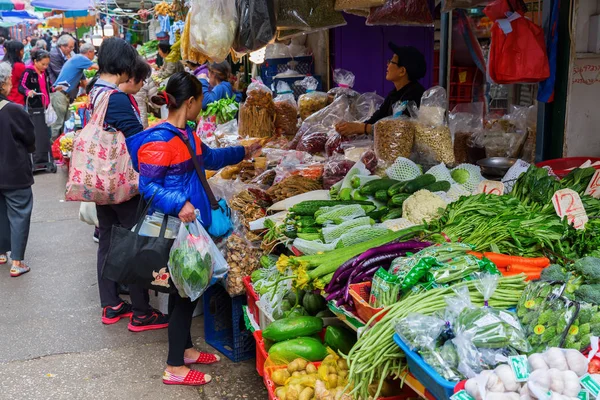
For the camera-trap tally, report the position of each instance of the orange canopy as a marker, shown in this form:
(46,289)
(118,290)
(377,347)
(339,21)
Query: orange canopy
(70,23)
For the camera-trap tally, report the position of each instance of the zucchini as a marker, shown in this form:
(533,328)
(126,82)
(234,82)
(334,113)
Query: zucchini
(396,188)
(340,213)
(309,348)
(419,183)
(439,186)
(334,232)
(310,207)
(310,229)
(393,214)
(361,234)
(398,199)
(381,195)
(378,184)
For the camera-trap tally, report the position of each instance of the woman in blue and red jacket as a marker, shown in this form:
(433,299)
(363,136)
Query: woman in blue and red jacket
(167,173)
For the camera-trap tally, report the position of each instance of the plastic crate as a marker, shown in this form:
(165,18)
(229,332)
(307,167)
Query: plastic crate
(224,326)
(251,297)
(264,318)
(440,388)
(298,90)
(261,353)
(562,166)
(274,66)
(360,294)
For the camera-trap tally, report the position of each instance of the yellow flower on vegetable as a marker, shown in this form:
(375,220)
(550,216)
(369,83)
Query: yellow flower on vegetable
(282,263)
(302,278)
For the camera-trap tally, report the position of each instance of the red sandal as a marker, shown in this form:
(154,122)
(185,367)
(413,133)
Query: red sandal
(203,358)
(193,378)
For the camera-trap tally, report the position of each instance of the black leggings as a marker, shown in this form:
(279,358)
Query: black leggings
(181,311)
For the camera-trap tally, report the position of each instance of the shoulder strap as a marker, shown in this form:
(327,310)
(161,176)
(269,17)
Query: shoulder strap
(3,103)
(214,204)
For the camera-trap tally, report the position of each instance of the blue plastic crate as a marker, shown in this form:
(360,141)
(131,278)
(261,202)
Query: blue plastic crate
(224,325)
(440,388)
(274,66)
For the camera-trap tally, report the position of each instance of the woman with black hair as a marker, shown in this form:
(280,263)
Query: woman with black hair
(14,56)
(168,175)
(35,83)
(117,62)
(169,67)
(140,89)
(216,85)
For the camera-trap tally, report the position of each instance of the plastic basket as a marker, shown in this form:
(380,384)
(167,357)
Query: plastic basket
(261,353)
(440,388)
(224,326)
(251,297)
(562,166)
(264,318)
(360,294)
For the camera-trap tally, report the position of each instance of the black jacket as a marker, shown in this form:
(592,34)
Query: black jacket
(30,81)
(411,92)
(17,140)
(57,61)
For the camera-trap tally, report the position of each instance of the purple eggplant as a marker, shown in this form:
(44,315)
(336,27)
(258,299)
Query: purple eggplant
(411,245)
(344,267)
(336,294)
(368,274)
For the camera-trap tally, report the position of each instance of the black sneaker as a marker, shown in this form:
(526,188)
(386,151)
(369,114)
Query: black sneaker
(96,236)
(112,315)
(156,320)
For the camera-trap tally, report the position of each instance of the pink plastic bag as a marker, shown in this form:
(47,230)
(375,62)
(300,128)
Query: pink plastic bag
(101,171)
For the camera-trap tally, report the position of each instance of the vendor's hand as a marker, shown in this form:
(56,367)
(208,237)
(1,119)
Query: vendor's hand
(252,149)
(187,213)
(203,76)
(350,128)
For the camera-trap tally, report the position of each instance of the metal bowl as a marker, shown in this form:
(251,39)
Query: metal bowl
(496,166)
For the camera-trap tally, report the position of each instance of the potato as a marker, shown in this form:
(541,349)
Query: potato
(343,374)
(302,372)
(301,363)
(342,364)
(332,370)
(306,394)
(296,373)
(332,379)
(280,376)
(311,368)
(292,394)
(292,367)
(281,392)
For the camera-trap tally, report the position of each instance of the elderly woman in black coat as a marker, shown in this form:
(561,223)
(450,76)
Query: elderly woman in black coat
(17,140)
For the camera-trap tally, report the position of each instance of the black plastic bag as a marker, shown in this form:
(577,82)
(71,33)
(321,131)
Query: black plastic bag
(257,25)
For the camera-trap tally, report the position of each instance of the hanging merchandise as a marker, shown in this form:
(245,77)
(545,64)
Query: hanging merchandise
(213,27)
(401,12)
(308,15)
(357,4)
(518,49)
(189,53)
(257,25)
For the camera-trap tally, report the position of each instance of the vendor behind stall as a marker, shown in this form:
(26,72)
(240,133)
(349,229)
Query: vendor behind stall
(171,65)
(215,85)
(404,70)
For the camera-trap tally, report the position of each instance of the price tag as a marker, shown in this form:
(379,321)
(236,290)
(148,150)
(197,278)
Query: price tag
(568,203)
(593,188)
(520,367)
(590,385)
(462,395)
(583,395)
(490,187)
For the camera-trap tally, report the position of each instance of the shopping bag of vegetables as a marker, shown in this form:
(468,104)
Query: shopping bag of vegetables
(193,260)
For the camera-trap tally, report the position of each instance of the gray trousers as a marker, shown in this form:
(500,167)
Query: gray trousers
(61,104)
(15,217)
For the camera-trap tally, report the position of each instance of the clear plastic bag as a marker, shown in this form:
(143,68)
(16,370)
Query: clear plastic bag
(342,5)
(335,171)
(257,113)
(385,290)
(308,15)
(313,100)
(213,27)
(463,121)
(286,110)
(257,27)
(193,259)
(227,134)
(401,12)
(243,257)
(365,106)
(394,136)
(345,81)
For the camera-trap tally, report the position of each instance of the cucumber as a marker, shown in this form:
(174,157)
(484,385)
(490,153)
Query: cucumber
(439,186)
(309,348)
(381,195)
(398,200)
(378,184)
(310,207)
(396,188)
(378,214)
(393,214)
(291,328)
(419,183)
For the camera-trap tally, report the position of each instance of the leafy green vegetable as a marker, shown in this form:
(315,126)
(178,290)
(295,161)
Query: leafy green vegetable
(224,109)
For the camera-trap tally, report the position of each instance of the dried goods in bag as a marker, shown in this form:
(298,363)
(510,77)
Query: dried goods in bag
(308,15)
(394,136)
(257,113)
(357,4)
(286,110)
(401,12)
(313,100)
(213,27)
(345,81)
(257,25)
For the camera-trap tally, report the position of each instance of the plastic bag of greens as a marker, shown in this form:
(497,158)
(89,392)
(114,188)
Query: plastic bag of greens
(313,100)
(193,259)
(401,12)
(308,15)
(213,27)
(385,289)
(257,25)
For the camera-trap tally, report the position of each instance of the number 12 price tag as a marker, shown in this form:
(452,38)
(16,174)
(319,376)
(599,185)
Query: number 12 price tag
(490,187)
(567,203)
(593,188)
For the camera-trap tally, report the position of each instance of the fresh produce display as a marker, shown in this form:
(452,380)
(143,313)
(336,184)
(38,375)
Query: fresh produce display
(224,109)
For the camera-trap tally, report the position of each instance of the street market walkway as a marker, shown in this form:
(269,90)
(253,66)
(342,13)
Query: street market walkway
(52,343)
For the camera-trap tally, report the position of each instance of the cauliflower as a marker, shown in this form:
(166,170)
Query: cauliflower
(397,224)
(423,205)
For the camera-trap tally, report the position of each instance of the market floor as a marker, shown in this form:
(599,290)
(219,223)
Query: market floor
(52,343)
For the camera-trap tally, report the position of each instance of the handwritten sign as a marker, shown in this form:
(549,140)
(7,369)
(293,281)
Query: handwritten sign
(593,188)
(490,187)
(587,74)
(567,203)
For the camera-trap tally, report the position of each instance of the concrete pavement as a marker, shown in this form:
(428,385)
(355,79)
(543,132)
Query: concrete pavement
(52,342)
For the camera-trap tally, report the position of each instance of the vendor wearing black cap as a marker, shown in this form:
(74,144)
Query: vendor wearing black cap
(404,70)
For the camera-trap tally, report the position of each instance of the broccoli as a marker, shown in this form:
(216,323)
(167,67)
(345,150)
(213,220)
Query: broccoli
(554,273)
(588,294)
(589,268)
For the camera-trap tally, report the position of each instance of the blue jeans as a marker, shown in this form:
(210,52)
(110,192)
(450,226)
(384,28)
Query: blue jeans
(15,217)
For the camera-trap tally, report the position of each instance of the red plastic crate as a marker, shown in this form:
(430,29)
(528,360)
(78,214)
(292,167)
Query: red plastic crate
(261,353)
(252,298)
(360,294)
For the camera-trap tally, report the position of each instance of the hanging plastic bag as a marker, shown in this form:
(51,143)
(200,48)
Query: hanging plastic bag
(312,101)
(192,260)
(257,25)
(401,12)
(286,110)
(343,5)
(213,27)
(308,15)
(257,113)
(394,136)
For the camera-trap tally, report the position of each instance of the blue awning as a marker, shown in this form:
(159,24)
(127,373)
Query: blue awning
(63,5)
(17,16)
